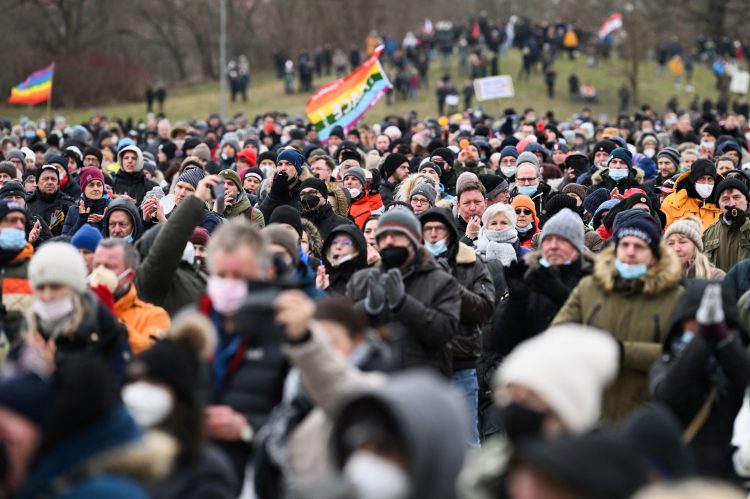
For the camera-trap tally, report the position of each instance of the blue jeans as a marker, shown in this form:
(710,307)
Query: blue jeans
(466,382)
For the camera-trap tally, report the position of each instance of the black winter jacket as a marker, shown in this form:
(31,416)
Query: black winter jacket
(338,277)
(427,319)
(685,374)
(52,209)
(325,219)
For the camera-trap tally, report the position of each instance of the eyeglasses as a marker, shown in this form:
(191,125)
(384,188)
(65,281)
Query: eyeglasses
(525,180)
(341,241)
(523,211)
(419,201)
(436,228)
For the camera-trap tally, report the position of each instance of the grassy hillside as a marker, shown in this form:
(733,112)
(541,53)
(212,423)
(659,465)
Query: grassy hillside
(267,94)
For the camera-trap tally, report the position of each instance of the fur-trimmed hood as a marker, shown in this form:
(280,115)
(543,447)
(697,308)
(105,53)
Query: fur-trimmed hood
(465,255)
(597,177)
(660,277)
(114,446)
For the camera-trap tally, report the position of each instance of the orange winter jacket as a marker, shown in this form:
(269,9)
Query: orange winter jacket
(145,322)
(678,204)
(364,207)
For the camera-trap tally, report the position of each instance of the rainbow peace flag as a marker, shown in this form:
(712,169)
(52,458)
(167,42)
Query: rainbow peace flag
(35,89)
(344,101)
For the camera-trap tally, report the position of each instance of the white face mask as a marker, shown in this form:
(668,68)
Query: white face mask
(375,477)
(649,152)
(708,146)
(354,192)
(147,403)
(704,190)
(508,171)
(53,311)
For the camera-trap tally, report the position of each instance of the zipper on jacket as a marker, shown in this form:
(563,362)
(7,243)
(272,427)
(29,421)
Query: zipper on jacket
(657,333)
(593,313)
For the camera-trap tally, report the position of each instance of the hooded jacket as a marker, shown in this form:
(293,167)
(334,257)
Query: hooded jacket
(475,286)
(74,221)
(685,374)
(163,278)
(685,201)
(128,207)
(325,219)
(338,277)
(108,459)
(135,184)
(636,313)
(428,317)
(634,179)
(432,422)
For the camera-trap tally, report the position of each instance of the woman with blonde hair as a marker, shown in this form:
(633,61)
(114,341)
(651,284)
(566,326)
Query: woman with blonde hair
(684,237)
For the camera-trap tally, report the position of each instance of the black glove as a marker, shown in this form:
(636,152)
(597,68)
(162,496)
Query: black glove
(374,183)
(515,271)
(280,186)
(546,281)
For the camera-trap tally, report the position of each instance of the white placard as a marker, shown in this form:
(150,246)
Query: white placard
(493,87)
(740,82)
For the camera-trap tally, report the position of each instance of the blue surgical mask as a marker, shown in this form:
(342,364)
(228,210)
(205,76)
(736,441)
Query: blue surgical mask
(128,238)
(523,230)
(618,174)
(630,271)
(12,239)
(437,248)
(528,190)
(679,344)
(544,263)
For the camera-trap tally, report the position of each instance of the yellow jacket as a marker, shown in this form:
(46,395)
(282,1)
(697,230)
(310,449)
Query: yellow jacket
(678,204)
(145,322)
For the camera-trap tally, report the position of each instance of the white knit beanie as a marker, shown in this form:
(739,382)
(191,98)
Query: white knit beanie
(567,366)
(58,263)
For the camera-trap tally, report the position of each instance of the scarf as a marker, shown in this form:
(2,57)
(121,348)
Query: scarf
(498,244)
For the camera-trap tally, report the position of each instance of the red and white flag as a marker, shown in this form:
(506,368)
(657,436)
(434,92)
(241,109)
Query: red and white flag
(612,23)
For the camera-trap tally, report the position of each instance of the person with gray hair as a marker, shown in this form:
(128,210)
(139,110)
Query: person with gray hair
(529,181)
(115,264)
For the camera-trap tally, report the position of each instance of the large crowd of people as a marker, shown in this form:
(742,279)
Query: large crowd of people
(478,306)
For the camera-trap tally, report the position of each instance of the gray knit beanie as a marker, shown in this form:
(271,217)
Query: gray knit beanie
(567,225)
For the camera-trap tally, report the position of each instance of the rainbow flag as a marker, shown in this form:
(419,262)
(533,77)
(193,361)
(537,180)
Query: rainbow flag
(35,89)
(344,101)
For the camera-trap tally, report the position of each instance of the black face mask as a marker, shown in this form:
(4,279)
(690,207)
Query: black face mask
(520,422)
(394,256)
(471,164)
(309,201)
(735,215)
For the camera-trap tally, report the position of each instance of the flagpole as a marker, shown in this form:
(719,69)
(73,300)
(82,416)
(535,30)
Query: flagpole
(49,100)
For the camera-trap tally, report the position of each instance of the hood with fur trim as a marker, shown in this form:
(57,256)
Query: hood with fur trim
(598,176)
(663,276)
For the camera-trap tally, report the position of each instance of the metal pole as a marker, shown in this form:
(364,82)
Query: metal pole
(222,59)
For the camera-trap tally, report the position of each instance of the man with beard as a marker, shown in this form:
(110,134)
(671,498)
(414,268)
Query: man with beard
(315,207)
(727,241)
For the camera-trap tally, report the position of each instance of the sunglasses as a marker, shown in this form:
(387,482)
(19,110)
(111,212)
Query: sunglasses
(523,211)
